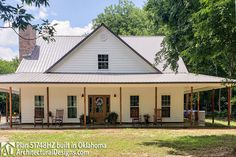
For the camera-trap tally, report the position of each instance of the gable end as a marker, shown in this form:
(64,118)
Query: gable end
(154,69)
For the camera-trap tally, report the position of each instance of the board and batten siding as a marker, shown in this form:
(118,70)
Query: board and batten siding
(58,100)
(84,59)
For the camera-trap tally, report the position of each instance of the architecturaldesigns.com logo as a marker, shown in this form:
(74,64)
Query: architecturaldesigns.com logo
(7,148)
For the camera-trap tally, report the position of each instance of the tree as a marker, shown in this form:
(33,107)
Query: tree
(126,19)
(9,66)
(17,17)
(201,31)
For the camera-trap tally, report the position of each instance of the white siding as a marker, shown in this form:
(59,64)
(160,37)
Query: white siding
(121,58)
(58,100)
(27,101)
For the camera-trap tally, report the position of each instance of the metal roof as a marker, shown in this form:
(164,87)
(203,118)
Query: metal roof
(46,54)
(108,78)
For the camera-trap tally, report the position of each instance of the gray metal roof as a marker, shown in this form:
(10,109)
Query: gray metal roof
(108,78)
(46,54)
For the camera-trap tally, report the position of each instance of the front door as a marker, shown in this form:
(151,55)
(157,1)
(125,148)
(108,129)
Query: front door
(99,107)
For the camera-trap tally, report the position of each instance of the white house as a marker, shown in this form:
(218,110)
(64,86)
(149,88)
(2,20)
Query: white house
(99,74)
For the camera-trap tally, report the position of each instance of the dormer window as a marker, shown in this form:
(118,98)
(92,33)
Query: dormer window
(103,61)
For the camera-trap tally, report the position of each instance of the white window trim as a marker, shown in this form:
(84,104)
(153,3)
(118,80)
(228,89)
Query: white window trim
(76,106)
(108,62)
(166,94)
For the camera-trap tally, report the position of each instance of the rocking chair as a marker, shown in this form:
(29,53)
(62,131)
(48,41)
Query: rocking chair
(59,117)
(38,116)
(157,118)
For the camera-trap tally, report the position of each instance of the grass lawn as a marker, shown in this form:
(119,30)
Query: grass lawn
(138,142)
(220,122)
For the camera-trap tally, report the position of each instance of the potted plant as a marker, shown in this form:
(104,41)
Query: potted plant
(49,114)
(82,119)
(146,118)
(92,120)
(112,117)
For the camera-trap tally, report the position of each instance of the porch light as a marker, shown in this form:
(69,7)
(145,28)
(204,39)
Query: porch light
(82,95)
(114,95)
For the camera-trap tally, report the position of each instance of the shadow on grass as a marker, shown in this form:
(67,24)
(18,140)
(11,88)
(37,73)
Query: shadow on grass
(223,145)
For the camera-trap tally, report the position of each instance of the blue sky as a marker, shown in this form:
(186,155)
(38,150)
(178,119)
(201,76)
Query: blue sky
(81,12)
(73,17)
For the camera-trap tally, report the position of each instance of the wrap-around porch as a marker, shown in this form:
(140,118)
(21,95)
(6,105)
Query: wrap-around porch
(119,97)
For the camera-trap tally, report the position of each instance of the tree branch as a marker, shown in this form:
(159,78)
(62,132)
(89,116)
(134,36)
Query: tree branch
(6,27)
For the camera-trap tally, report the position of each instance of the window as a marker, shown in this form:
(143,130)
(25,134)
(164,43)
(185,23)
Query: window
(39,105)
(90,104)
(102,61)
(72,107)
(134,106)
(108,104)
(165,103)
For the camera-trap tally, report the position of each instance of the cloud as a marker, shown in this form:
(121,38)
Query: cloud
(65,28)
(42,13)
(8,43)
(7,53)
(30,8)
(8,37)
(38,13)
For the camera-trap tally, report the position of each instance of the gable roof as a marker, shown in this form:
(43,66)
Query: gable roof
(46,54)
(87,37)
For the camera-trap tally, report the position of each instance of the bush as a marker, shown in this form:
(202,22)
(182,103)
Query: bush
(112,117)
(82,119)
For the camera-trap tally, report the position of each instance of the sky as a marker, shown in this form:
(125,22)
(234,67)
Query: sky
(73,17)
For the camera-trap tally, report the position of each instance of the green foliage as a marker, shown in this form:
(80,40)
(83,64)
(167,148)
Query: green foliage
(15,103)
(82,119)
(203,32)
(112,117)
(126,19)
(5,68)
(8,66)
(18,17)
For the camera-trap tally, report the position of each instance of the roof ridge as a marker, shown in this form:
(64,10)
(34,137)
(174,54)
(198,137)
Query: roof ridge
(143,36)
(70,35)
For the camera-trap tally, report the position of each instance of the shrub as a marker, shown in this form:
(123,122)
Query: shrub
(112,117)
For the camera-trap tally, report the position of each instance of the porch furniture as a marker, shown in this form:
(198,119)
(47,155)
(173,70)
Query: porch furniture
(137,120)
(59,117)
(15,119)
(38,116)
(157,118)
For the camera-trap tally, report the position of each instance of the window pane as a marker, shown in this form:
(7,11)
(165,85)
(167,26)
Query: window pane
(90,104)
(72,106)
(72,112)
(108,104)
(39,101)
(134,100)
(165,100)
(103,61)
(134,106)
(99,104)
(166,103)
(134,112)
(39,106)
(165,112)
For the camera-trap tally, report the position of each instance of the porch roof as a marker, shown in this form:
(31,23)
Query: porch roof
(58,78)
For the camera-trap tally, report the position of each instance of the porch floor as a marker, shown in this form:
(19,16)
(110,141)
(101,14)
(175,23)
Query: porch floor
(186,124)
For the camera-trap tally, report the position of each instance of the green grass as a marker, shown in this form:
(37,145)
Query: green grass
(221,122)
(138,142)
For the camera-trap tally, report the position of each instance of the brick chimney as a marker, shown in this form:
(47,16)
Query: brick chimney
(28,42)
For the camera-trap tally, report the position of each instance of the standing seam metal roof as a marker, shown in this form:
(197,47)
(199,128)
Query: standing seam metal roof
(46,54)
(109,78)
